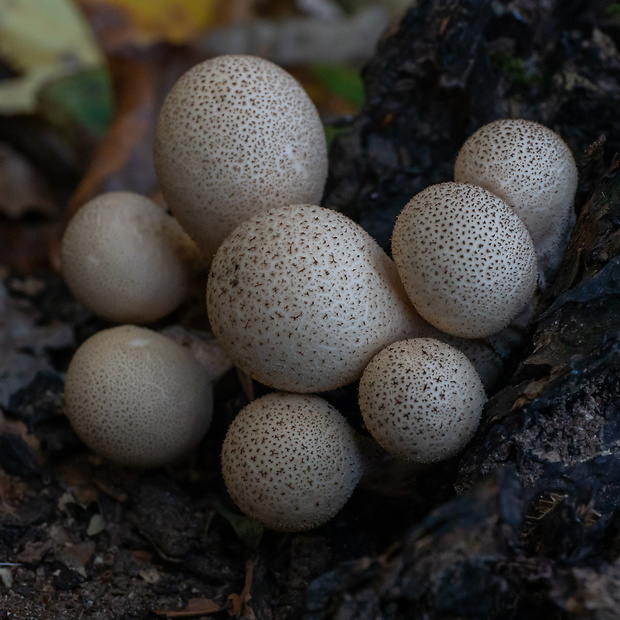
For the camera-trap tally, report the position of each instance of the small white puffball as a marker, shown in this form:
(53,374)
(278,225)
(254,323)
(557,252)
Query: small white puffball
(531,168)
(486,355)
(290,461)
(126,259)
(301,297)
(421,399)
(466,260)
(236,135)
(137,397)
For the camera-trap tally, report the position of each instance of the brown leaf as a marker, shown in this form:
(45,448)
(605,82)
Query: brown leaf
(194,607)
(123,161)
(76,556)
(123,23)
(34,552)
(240,603)
(126,141)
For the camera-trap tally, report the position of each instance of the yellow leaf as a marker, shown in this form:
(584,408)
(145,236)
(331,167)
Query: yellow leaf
(151,21)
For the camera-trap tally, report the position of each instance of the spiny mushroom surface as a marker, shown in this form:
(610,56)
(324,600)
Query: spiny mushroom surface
(137,397)
(421,399)
(126,259)
(290,461)
(236,135)
(466,260)
(301,297)
(531,168)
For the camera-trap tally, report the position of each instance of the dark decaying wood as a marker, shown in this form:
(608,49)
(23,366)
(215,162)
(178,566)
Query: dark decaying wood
(525,523)
(534,531)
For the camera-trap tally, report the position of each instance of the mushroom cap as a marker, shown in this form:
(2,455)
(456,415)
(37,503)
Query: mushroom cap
(531,168)
(126,259)
(236,135)
(486,354)
(301,297)
(290,461)
(421,399)
(466,260)
(137,397)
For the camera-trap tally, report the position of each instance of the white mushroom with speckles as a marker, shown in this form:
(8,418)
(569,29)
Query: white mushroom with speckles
(466,260)
(532,169)
(137,397)
(421,399)
(301,298)
(126,259)
(236,135)
(290,461)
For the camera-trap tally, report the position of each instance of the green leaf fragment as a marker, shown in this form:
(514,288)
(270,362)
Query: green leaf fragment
(345,82)
(248,530)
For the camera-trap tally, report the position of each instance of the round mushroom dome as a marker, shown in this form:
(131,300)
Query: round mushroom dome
(421,399)
(137,397)
(466,260)
(532,169)
(126,259)
(290,461)
(236,135)
(301,298)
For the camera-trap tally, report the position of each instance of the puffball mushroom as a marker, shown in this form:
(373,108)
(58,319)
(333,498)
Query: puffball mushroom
(137,397)
(236,135)
(290,461)
(531,168)
(466,260)
(301,297)
(126,259)
(421,399)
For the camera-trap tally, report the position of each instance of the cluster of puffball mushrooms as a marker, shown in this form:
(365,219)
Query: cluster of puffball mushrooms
(300,297)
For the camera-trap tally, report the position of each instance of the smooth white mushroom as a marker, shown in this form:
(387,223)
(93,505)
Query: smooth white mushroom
(236,135)
(136,397)
(421,399)
(126,259)
(466,260)
(290,461)
(301,297)
(531,168)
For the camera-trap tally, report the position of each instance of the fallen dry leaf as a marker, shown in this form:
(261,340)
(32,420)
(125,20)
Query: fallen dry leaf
(240,603)
(34,552)
(123,161)
(123,143)
(76,556)
(122,23)
(194,607)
